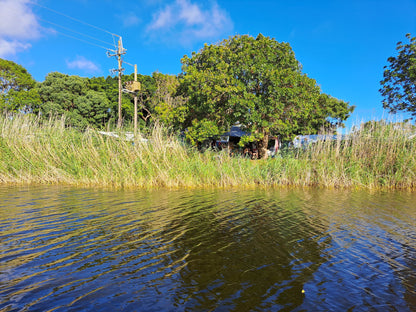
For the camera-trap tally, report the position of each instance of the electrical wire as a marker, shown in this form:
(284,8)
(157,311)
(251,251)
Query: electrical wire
(128,63)
(79,33)
(76,32)
(85,41)
(74,19)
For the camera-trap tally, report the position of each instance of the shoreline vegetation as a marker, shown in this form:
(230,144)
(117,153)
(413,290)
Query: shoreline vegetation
(33,152)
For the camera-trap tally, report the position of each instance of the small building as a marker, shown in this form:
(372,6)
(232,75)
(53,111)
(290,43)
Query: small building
(234,135)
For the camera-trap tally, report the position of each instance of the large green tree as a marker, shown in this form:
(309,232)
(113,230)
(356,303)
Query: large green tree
(72,97)
(399,83)
(259,83)
(17,88)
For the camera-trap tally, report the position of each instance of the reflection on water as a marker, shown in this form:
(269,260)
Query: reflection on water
(65,249)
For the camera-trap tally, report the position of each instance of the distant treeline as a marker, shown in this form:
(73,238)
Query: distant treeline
(85,102)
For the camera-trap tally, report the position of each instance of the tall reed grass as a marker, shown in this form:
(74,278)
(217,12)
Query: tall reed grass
(47,152)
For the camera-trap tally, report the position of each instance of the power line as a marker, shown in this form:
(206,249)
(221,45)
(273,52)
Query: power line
(74,31)
(82,40)
(128,63)
(118,52)
(82,34)
(74,19)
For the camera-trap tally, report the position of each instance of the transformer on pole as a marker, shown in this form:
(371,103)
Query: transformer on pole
(133,87)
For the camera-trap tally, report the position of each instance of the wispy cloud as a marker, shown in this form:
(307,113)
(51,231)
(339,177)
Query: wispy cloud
(187,21)
(129,20)
(8,47)
(82,63)
(18,25)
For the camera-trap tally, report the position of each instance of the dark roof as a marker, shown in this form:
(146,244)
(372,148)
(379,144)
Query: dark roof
(235,131)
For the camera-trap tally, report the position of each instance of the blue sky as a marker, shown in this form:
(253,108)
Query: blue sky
(344,45)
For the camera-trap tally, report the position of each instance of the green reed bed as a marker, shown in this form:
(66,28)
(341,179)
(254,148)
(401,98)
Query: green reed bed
(380,155)
(34,152)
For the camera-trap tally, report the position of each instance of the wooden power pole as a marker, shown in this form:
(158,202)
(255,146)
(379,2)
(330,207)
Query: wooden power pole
(135,102)
(134,87)
(119,53)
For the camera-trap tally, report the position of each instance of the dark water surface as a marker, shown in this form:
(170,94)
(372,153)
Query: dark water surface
(66,249)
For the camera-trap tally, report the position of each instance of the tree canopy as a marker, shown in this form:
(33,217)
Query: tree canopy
(16,87)
(86,102)
(72,97)
(167,106)
(259,83)
(399,83)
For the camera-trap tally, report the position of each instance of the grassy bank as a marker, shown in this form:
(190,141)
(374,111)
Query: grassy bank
(381,156)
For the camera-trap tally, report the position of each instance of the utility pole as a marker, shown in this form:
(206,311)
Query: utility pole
(118,53)
(135,102)
(133,87)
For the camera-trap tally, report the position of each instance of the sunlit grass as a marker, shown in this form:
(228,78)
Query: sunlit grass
(47,152)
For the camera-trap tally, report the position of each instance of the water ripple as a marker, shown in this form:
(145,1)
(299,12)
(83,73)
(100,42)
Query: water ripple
(64,249)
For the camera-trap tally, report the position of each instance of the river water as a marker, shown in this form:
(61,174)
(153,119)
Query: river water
(73,249)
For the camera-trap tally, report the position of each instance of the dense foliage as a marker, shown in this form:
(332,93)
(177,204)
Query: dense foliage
(259,83)
(167,105)
(93,101)
(88,102)
(399,83)
(16,88)
(71,96)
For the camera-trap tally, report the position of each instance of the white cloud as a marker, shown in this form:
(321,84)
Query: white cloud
(17,20)
(8,47)
(186,21)
(129,19)
(82,63)
(18,24)
(163,19)
(190,13)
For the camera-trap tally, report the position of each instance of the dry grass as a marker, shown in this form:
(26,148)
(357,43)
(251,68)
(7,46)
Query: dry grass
(34,152)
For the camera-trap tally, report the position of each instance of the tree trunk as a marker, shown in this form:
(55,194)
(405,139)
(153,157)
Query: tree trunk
(262,147)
